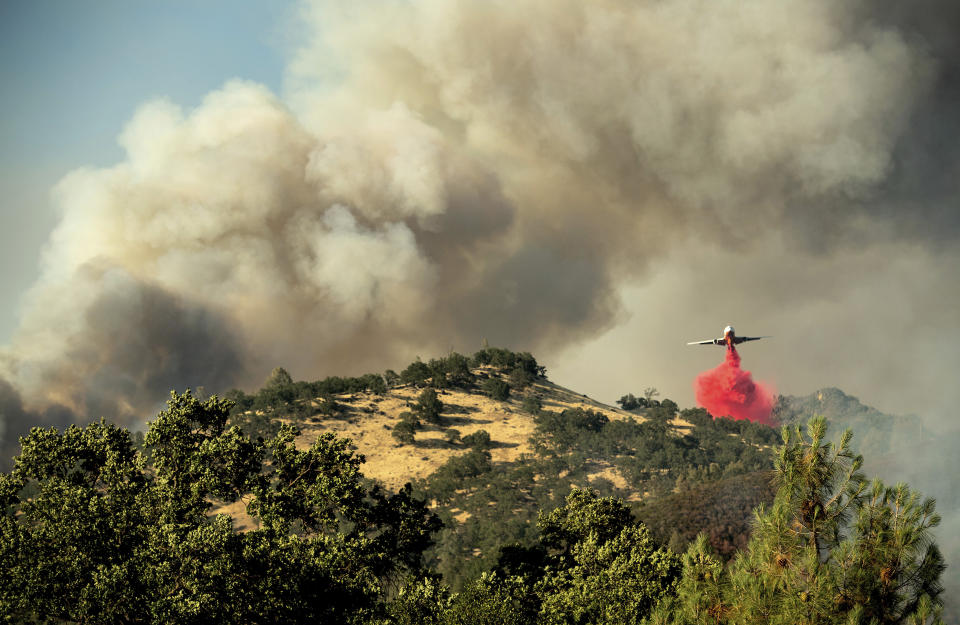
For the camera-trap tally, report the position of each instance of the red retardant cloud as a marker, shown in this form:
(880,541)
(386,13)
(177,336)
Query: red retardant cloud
(729,391)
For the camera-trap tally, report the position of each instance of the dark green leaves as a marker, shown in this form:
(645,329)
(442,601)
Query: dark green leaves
(92,532)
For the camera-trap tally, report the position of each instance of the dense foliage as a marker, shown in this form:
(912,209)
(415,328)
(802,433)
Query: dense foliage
(833,548)
(280,396)
(484,506)
(96,531)
(590,563)
(714,508)
(98,526)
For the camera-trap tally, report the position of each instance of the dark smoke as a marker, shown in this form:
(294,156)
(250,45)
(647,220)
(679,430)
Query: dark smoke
(446,171)
(127,344)
(16,421)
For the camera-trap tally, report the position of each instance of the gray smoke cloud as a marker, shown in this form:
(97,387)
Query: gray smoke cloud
(443,171)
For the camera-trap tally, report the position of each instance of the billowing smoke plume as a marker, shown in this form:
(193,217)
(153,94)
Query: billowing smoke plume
(729,391)
(444,171)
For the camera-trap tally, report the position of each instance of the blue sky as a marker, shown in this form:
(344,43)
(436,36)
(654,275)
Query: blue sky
(74,72)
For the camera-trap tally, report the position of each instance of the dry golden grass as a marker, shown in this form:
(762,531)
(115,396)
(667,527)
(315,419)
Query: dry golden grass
(242,521)
(368,419)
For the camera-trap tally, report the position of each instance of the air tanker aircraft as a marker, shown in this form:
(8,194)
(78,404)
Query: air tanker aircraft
(729,339)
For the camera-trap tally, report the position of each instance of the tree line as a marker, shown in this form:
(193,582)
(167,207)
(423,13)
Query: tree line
(96,529)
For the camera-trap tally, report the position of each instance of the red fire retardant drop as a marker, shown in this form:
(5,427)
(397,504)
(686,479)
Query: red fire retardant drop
(729,391)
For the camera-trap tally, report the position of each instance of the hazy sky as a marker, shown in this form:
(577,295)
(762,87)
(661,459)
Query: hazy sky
(596,183)
(73,73)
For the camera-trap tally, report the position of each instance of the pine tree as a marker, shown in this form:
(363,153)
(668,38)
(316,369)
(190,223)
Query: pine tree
(831,549)
(700,598)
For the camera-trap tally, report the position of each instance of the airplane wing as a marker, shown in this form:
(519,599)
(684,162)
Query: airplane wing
(744,339)
(707,342)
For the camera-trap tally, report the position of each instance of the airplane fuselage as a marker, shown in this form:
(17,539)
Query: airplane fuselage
(729,338)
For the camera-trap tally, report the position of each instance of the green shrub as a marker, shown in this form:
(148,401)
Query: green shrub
(520,378)
(415,373)
(496,389)
(479,440)
(404,432)
(391,378)
(532,404)
(428,406)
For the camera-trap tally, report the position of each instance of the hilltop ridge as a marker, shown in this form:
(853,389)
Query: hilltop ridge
(878,433)
(368,419)
(490,442)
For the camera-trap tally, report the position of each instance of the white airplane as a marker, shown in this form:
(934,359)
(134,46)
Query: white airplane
(729,339)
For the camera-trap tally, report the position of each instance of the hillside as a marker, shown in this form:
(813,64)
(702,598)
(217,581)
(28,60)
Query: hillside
(475,465)
(877,433)
(490,442)
(368,419)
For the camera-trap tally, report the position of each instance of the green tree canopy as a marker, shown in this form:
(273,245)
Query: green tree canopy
(630,402)
(417,371)
(479,440)
(428,406)
(94,530)
(833,548)
(405,431)
(594,564)
(278,378)
(496,389)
